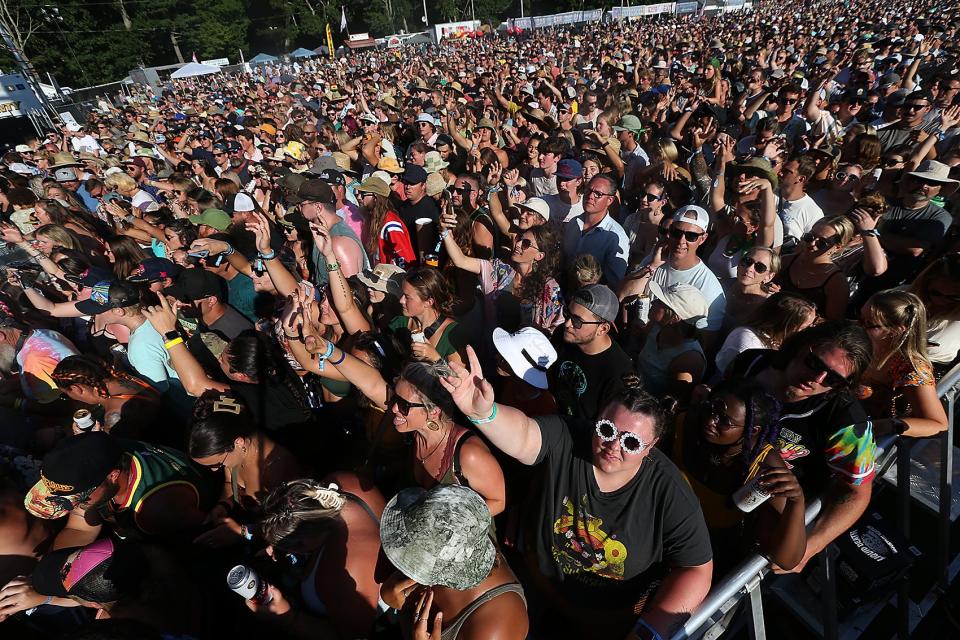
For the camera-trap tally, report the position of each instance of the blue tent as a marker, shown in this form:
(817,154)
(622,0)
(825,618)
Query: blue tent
(302,53)
(262,57)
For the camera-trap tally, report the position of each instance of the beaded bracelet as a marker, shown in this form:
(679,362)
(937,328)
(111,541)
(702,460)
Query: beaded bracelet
(486,420)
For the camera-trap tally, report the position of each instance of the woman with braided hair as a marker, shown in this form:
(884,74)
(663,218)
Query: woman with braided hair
(726,442)
(125,405)
(326,537)
(898,388)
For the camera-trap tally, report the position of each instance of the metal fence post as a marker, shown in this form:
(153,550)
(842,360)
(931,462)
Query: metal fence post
(758,629)
(829,594)
(904,446)
(946,490)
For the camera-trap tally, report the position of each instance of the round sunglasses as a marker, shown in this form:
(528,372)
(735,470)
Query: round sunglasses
(630,442)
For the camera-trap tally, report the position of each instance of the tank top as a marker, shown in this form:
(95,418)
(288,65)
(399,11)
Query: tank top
(816,294)
(654,362)
(151,469)
(341,228)
(451,632)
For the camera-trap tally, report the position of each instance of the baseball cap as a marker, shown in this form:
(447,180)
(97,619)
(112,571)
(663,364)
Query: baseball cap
(138,161)
(195,284)
(154,269)
(537,205)
(413,174)
(90,276)
(599,300)
(220,147)
(216,218)
(71,472)
(369,117)
(569,169)
(107,295)
(242,203)
(692,214)
(23,148)
(315,190)
(103,571)
(683,299)
(333,177)
(439,536)
(426,117)
(528,352)
(373,184)
(385,277)
(629,123)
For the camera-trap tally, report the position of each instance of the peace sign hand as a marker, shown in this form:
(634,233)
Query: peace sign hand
(472,394)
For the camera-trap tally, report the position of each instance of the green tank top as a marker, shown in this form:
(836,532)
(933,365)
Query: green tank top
(152,468)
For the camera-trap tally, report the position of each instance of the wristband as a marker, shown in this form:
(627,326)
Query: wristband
(333,266)
(485,420)
(444,234)
(172,343)
(874,233)
(229,252)
(644,626)
(246,533)
(343,356)
(268,256)
(329,352)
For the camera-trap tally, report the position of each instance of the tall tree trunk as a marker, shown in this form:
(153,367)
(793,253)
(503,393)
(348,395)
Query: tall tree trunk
(127,24)
(176,46)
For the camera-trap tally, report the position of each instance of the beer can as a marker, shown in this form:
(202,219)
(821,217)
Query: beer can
(245,582)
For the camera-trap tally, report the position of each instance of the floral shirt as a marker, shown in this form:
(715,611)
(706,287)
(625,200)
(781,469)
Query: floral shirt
(546,312)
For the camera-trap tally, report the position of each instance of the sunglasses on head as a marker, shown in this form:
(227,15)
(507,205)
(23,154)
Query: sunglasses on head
(691,236)
(403,405)
(833,379)
(746,262)
(716,408)
(629,442)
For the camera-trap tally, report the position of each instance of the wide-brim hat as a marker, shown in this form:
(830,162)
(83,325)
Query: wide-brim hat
(439,536)
(528,352)
(938,172)
(385,277)
(64,159)
(758,167)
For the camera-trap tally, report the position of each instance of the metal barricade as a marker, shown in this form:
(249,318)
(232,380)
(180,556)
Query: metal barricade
(746,578)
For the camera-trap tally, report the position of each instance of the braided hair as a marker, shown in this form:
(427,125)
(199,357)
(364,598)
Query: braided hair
(761,410)
(297,512)
(90,372)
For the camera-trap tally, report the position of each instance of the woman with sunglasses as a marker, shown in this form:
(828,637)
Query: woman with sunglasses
(223,438)
(721,445)
(841,192)
(825,433)
(589,548)
(444,452)
(938,286)
(751,224)
(523,292)
(811,272)
(899,387)
(755,272)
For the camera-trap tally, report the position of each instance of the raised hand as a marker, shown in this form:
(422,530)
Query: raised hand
(261,230)
(472,393)
(161,316)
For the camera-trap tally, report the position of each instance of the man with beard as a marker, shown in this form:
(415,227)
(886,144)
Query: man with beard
(138,489)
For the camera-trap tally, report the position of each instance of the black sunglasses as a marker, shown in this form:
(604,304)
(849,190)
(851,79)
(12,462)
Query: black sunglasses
(717,408)
(833,379)
(914,107)
(403,405)
(526,243)
(578,322)
(817,240)
(746,262)
(691,236)
(651,197)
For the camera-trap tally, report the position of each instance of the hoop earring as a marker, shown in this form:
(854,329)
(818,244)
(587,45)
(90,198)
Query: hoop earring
(433,426)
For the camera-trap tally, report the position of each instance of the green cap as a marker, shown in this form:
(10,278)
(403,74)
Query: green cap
(216,218)
(630,123)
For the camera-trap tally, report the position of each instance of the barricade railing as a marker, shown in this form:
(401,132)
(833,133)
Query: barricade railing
(744,581)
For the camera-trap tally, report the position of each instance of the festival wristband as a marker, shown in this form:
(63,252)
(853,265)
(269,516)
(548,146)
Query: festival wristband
(487,420)
(172,343)
(343,356)
(268,256)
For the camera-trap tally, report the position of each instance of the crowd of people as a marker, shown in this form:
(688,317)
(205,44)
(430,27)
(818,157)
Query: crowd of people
(488,339)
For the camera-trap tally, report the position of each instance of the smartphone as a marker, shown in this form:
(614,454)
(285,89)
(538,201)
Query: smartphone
(202,253)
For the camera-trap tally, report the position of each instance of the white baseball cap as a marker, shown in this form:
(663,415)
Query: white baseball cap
(243,203)
(528,352)
(692,214)
(537,205)
(426,117)
(683,299)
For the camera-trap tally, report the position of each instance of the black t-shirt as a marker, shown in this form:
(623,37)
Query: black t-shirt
(606,550)
(584,383)
(272,403)
(824,436)
(410,213)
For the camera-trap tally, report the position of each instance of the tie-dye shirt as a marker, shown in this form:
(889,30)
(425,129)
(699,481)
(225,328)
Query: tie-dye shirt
(40,354)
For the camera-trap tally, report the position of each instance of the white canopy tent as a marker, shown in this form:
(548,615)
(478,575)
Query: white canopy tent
(192,69)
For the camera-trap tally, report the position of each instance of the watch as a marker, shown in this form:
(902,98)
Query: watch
(871,233)
(171,335)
